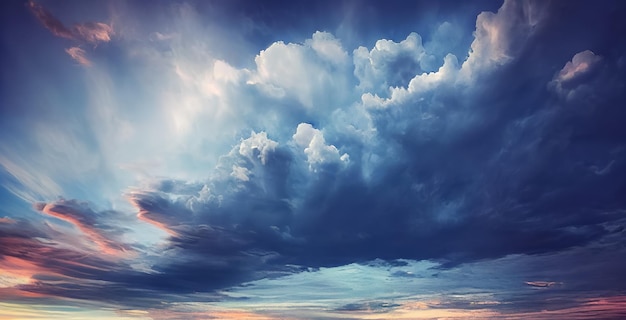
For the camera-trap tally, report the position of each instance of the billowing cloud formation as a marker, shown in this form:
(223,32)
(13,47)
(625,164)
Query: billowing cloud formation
(436,161)
(257,146)
(315,148)
(500,36)
(400,61)
(327,157)
(574,75)
(285,71)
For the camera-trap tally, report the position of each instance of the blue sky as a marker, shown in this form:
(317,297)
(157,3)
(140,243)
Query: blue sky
(312,160)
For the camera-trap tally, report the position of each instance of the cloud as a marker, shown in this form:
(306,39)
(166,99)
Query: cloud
(309,157)
(373,306)
(51,23)
(149,206)
(50,262)
(572,78)
(542,284)
(328,48)
(423,118)
(257,146)
(6,220)
(261,203)
(581,64)
(594,308)
(93,32)
(315,147)
(87,221)
(391,64)
(39,251)
(283,71)
(418,84)
(352,288)
(58,266)
(88,32)
(37,186)
(500,36)
(79,55)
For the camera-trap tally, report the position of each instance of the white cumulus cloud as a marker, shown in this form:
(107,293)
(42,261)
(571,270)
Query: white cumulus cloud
(315,147)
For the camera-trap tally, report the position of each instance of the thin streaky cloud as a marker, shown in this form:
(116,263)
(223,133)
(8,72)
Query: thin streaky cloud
(79,55)
(51,23)
(93,32)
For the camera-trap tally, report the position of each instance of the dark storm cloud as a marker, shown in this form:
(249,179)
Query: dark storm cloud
(493,169)
(503,164)
(220,238)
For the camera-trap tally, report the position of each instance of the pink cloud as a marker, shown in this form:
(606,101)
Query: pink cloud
(25,257)
(598,308)
(17,267)
(49,21)
(7,220)
(159,220)
(225,314)
(576,75)
(93,32)
(582,63)
(85,221)
(79,55)
(25,260)
(542,284)
(34,267)
(86,32)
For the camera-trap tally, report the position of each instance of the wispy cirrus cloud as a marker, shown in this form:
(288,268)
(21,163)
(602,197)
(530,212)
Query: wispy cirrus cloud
(6,220)
(594,308)
(49,21)
(93,32)
(88,32)
(94,225)
(37,186)
(542,284)
(38,253)
(79,55)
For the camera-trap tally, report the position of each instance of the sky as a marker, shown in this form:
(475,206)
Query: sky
(312,159)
